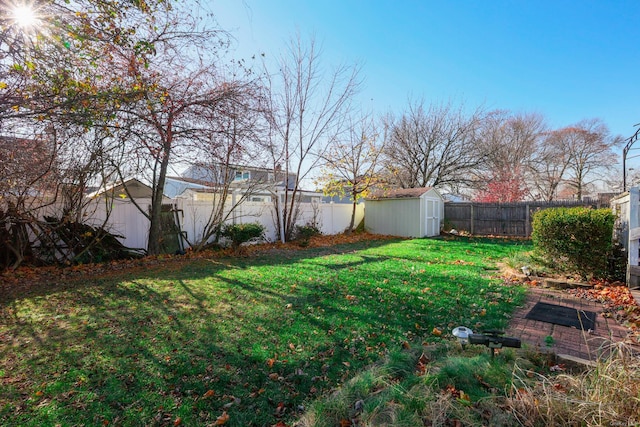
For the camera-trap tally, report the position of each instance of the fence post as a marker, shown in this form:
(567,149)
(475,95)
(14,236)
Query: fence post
(472,225)
(527,222)
(632,261)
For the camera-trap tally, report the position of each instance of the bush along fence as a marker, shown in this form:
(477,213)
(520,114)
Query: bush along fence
(503,219)
(576,240)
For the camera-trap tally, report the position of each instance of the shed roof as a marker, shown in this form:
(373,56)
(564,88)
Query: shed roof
(399,193)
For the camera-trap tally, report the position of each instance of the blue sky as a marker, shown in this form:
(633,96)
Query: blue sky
(568,60)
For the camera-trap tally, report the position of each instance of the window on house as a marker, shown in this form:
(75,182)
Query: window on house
(260,199)
(242,175)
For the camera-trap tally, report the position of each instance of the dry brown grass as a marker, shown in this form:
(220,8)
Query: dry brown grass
(608,394)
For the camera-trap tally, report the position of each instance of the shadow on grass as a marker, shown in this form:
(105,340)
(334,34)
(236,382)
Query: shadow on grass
(255,337)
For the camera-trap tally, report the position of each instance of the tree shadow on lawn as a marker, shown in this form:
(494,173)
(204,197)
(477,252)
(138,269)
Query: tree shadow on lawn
(60,279)
(132,351)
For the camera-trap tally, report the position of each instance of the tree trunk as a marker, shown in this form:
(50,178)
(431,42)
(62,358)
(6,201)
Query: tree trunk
(353,217)
(155,228)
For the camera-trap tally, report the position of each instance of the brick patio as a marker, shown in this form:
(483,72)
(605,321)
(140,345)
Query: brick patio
(570,341)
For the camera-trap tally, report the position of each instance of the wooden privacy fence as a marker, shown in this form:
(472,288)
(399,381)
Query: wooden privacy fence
(503,219)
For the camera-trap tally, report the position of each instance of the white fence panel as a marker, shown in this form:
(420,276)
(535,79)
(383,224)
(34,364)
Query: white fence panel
(122,217)
(627,231)
(335,217)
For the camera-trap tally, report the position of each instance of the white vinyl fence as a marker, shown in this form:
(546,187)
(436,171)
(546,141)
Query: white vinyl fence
(330,218)
(122,217)
(627,231)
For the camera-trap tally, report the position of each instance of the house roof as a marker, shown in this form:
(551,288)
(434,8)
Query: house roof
(399,193)
(200,182)
(134,187)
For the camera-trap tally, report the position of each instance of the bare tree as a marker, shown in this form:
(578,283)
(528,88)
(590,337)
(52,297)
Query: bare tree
(231,142)
(432,145)
(589,145)
(306,110)
(549,165)
(508,143)
(352,163)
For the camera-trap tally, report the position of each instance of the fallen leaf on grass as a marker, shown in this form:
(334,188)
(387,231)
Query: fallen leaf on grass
(280,409)
(421,367)
(222,419)
(209,393)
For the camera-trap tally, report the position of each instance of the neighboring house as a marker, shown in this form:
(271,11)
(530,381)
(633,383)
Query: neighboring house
(337,199)
(411,212)
(455,198)
(131,188)
(177,186)
(201,183)
(239,175)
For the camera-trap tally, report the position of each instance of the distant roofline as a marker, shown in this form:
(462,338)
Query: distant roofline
(399,193)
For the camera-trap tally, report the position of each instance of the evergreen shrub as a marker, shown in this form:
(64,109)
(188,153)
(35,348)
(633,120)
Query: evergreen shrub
(577,240)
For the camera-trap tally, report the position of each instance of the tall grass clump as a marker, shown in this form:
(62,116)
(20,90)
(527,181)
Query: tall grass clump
(607,394)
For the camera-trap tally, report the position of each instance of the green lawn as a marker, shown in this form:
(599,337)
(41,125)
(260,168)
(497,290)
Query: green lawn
(258,338)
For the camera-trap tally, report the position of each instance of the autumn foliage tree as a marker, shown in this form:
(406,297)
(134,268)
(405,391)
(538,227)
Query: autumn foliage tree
(352,164)
(136,78)
(508,143)
(503,187)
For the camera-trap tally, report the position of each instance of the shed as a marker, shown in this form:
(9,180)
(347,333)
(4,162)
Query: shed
(411,212)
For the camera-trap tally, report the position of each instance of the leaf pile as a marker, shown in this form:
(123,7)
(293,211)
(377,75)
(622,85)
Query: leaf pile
(618,303)
(22,279)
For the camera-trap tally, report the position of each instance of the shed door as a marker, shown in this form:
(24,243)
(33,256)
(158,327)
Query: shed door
(432,217)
